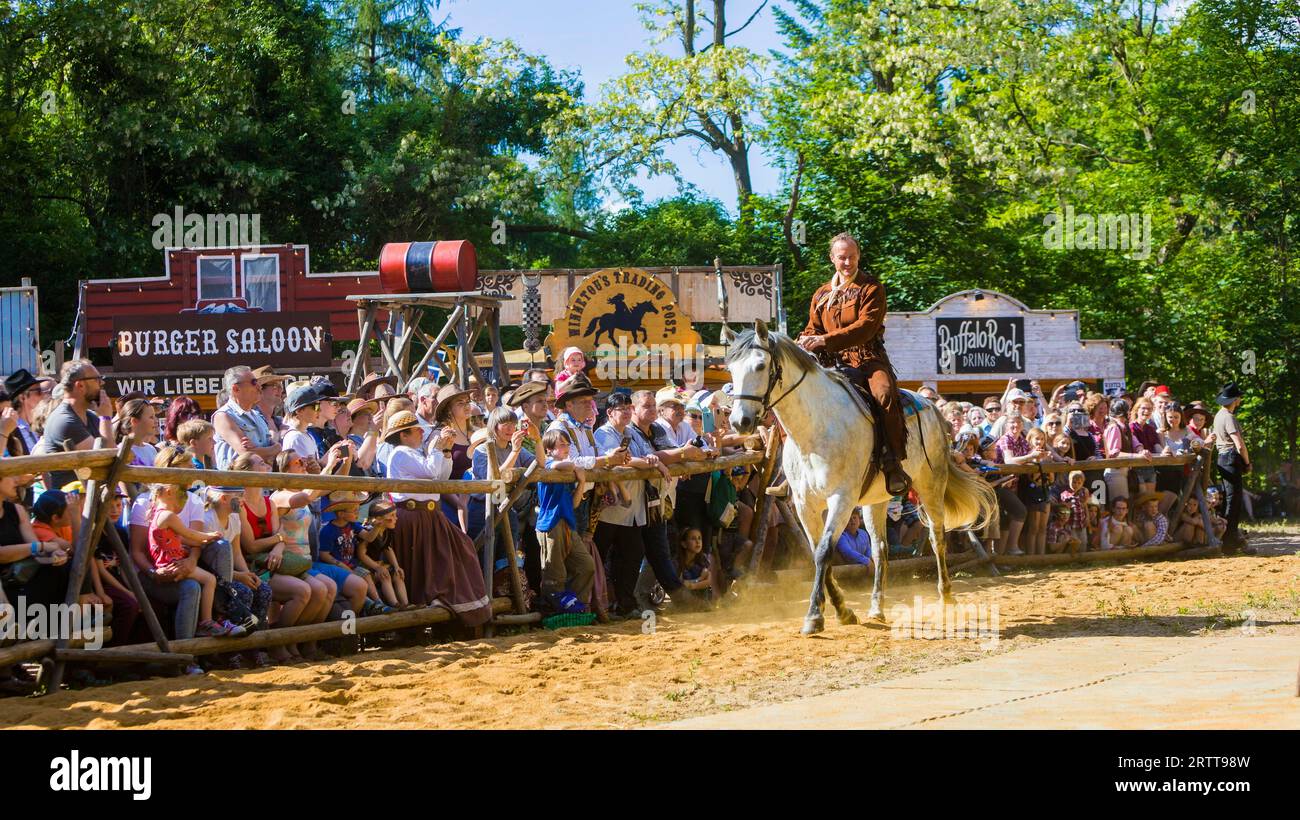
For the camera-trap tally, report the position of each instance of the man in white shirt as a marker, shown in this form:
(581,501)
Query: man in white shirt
(577,410)
(426,405)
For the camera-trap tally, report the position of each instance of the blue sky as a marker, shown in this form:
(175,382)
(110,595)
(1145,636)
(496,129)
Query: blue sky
(593,37)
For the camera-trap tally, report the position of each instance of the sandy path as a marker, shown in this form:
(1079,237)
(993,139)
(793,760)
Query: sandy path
(748,656)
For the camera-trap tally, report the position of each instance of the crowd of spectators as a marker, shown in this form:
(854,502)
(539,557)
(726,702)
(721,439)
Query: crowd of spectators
(1074,508)
(220,560)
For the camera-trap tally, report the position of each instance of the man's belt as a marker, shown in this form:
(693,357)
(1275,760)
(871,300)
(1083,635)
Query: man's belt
(411,504)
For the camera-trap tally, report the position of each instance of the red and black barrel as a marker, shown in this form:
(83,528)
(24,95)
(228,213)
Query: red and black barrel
(428,267)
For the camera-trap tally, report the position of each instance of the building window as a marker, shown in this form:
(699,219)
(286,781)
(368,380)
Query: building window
(262,281)
(216,278)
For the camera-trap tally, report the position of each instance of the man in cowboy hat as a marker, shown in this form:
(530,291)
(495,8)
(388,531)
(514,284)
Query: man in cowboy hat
(1233,463)
(272,398)
(671,404)
(529,401)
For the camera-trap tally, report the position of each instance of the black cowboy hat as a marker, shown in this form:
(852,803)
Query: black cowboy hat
(18,381)
(1230,393)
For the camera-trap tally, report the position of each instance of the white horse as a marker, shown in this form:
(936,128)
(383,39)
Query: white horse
(828,449)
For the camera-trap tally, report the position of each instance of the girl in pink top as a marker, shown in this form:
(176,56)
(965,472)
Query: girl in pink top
(573,362)
(170,543)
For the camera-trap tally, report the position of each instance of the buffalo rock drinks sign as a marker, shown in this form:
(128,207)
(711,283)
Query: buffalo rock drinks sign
(983,345)
(197,342)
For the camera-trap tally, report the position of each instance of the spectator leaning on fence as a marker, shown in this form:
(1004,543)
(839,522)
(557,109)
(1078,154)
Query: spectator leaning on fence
(240,427)
(84,413)
(440,560)
(621,534)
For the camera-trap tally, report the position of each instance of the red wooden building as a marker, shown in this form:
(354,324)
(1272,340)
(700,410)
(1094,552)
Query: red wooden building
(272,278)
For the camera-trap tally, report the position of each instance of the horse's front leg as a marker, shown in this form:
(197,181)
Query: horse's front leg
(874,521)
(838,510)
(939,541)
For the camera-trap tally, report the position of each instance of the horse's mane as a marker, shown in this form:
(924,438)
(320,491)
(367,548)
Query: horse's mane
(790,353)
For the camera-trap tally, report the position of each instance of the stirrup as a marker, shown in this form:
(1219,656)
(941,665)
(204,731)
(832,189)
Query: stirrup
(897,481)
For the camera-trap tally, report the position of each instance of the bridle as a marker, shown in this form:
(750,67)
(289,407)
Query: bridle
(773,376)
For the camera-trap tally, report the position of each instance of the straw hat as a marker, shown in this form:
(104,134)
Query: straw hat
(266,375)
(345,498)
(480,435)
(363,406)
(399,422)
(668,395)
(1146,497)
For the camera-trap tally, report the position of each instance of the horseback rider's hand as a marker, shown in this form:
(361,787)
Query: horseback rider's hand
(812,342)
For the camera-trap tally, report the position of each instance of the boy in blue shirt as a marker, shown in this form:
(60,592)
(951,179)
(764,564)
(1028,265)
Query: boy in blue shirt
(338,549)
(567,565)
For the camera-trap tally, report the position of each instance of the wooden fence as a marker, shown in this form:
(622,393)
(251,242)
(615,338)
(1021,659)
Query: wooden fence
(102,468)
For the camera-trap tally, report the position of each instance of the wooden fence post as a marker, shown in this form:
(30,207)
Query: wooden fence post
(507,535)
(93,516)
(764,501)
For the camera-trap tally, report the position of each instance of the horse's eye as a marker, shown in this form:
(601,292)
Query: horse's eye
(761,366)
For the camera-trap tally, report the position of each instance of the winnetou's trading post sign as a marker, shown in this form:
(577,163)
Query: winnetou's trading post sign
(213,342)
(630,324)
(621,304)
(994,344)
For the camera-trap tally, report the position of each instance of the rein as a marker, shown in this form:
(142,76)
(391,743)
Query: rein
(774,376)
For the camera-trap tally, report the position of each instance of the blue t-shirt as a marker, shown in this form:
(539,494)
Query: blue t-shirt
(340,542)
(555,503)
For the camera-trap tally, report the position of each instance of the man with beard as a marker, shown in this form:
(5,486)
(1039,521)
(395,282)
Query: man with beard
(86,411)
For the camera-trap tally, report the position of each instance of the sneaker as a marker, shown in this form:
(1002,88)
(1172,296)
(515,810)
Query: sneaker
(233,630)
(194,669)
(211,629)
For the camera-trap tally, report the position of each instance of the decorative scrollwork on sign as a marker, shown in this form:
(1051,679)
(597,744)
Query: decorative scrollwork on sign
(752,282)
(498,285)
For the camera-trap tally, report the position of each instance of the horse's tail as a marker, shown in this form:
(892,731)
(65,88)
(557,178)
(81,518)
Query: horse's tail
(968,500)
(592,326)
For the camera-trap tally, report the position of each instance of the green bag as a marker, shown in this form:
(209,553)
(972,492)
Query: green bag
(722,500)
(291,564)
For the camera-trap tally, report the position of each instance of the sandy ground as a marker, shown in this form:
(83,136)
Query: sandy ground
(744,656)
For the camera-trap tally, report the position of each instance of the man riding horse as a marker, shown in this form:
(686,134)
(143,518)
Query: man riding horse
(846,330)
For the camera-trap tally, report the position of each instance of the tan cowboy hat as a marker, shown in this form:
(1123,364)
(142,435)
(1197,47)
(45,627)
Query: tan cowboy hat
(1146,497)
(399,422)
(524,392)
(447,394)
(345,498)
(363,406)
(574,388)
(369,383)
(266,374)
(668,395)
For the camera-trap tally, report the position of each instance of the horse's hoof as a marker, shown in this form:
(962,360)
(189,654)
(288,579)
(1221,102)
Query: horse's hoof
(811,626)
(849,619)
(876,615)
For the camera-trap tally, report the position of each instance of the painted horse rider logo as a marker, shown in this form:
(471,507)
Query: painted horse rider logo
(621,318)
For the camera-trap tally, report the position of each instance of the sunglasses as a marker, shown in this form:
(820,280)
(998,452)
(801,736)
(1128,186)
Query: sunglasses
(1052,424)
(993,409)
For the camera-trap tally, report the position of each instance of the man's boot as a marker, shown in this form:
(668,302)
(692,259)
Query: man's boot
(897,481)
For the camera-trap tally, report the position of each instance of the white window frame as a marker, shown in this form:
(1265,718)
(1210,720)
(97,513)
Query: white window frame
(243,294)
(198,279)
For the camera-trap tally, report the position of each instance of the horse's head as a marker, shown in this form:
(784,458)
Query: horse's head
(647,307)
(751,360)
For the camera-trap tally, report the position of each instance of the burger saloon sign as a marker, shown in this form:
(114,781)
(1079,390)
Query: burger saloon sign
(213,342)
